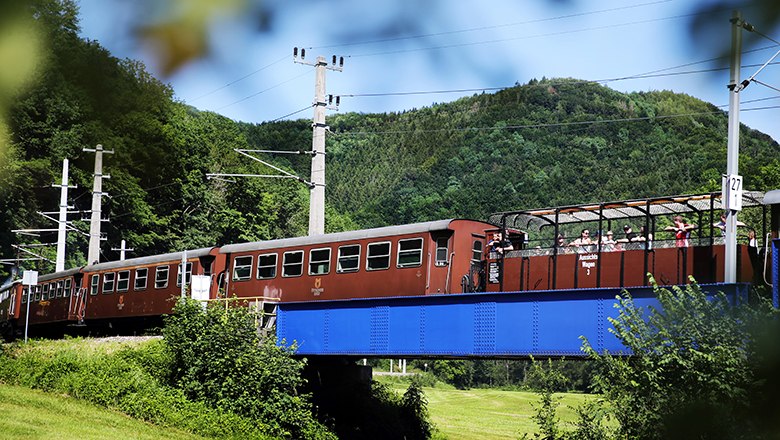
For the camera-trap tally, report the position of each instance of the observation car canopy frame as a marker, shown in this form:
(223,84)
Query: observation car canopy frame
(535,219)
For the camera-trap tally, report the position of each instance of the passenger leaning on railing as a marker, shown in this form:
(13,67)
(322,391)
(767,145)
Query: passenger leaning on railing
(682,231)
(583,243)
(499,244)
(608,242)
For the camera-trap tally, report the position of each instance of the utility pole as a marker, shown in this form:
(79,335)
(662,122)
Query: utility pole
(317,192)
(732,181)
(93,255)
(59,266)
(732,159)
(122,249)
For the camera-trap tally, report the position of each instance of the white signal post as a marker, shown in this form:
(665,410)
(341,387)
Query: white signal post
(29,279)
(59,266)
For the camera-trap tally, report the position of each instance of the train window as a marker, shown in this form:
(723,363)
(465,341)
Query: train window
(292,264)
(68,286)
(94,284)
(108,282)
(266,266)
(378,256)
(476,251)
(161,277)
(123,281)
(410,252)
(349,258)
(319,261)
(187,274)
(60,285)
(242,268)
(140,278)
(45,293)
(25,294)
(442,250)
(37,295)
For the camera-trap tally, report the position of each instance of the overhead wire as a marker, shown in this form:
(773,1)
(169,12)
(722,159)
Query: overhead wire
(767,85)
(241,79)
(482,28)
(651,74)
(265,90)
(525,37)
(293,113)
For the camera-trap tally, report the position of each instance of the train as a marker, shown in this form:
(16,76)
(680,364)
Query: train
(442,257)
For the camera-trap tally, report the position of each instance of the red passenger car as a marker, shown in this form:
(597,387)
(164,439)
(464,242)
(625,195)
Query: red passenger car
(417,259)
(52,303)
(132,291)
(10,304)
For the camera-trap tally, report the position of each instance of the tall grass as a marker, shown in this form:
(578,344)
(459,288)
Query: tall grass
(32,414)
(129,377)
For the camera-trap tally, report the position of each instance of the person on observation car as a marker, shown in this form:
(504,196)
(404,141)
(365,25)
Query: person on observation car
(499,244)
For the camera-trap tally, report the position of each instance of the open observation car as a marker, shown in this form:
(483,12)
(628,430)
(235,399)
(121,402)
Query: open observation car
(625,256)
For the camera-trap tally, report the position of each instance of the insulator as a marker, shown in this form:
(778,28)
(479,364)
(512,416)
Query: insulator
(330,99)
(338,100)
(334,60)
(295,52)
(341,62)
(303,53)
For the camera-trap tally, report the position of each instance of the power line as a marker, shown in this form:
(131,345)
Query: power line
(264,90)
(290,114)
(240,79)
(651,74)
(482,28)
(767,85)
(500,40)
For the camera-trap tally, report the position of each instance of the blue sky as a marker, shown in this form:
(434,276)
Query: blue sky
(448,45)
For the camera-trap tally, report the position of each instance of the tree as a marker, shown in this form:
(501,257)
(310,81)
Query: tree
(698,368)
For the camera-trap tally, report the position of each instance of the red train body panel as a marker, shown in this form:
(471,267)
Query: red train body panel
(419,259)
(147,286)
(543,270)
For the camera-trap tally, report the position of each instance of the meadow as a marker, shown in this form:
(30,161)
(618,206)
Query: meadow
(33,414)
(486,413)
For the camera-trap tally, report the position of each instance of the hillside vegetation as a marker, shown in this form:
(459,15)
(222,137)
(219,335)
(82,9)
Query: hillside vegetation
(547,142)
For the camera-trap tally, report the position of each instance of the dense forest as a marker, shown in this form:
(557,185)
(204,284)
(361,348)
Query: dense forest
(544,143)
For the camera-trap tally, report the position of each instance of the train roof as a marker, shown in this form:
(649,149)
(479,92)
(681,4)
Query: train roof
(772,197)
(8,284)
(387,231)
(153,259)
(55,275)
(625,209)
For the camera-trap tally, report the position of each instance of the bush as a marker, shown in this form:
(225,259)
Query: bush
(218,359)
(697,370)
(124,379)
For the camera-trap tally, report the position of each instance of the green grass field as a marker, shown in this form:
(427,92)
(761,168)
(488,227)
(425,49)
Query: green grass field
(487,414)
(32,414)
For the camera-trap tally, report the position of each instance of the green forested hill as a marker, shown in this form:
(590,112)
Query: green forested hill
(544,143)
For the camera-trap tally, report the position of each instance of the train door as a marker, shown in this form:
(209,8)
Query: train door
(440,255)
